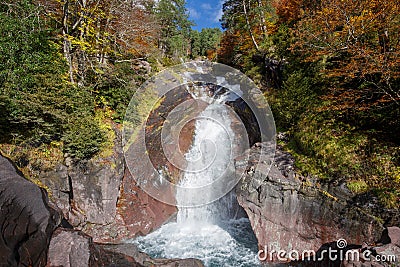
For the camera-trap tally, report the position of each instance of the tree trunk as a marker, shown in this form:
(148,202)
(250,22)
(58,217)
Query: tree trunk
(66,42)
(248,25)
(263,21)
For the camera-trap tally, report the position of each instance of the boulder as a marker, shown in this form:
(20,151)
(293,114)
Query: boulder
(391,235)
(27,220)
(71,248)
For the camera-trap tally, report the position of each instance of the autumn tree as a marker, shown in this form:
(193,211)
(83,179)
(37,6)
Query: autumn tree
(94,32)
(360,41)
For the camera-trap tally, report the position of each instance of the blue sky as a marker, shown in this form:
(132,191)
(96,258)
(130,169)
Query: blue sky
(206,13)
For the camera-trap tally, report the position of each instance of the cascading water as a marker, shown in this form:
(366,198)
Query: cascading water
(209,159)
(216,233)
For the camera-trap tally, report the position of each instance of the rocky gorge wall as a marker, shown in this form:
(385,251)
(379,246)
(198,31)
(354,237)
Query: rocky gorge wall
(288,212)
(100,197)
(26,219)
(101,203)
(34,232)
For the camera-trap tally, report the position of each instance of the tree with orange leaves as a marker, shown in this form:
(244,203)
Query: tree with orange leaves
(359,42)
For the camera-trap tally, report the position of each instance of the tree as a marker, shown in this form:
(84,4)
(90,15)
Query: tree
(205,43)
(94,32)
(360,43)
(30,75)
(37,104)
(175,26)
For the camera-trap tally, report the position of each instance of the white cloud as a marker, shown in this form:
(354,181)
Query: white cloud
(218,13)
(206,6)
(193,13)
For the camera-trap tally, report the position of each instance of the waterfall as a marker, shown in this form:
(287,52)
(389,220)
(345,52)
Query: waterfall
(212,231)
(209,158)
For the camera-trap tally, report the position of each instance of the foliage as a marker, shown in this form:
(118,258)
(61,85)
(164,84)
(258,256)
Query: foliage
(31,161)
(299,94)
(174,26)
(331,149)
(38,105)
(205,43)
(360,44)
(357,186)
(83,137)
(31,82)
(94,33)
(330,71)
(117,85)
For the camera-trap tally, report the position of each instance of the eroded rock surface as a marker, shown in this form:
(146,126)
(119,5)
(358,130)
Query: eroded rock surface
(71,248)
(26,219)
(100,197)
(288,212)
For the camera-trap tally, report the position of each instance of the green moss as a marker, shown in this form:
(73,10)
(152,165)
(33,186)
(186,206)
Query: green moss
(103,118)
(357,186)
(329,149)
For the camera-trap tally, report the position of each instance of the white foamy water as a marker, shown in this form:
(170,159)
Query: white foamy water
(215,233)
(230,243)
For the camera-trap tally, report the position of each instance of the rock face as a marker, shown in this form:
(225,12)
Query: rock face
(70,248)
(26,219)
(100,197)
(289,213)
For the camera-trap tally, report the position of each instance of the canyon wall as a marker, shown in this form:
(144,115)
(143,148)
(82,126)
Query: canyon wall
(289,212)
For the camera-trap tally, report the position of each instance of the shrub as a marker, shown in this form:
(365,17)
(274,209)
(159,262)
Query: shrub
(83,137)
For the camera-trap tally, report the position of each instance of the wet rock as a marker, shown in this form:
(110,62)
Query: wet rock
(26,219)
(144,259)
(71,248)
(289,212)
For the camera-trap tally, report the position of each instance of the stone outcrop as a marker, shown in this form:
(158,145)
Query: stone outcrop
(30,235)
(289,212)
(100,197)
(26,219)
(71,248)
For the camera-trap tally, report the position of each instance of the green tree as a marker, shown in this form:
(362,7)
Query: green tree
(175,27)
(30,75)
(206,42)
(37,103)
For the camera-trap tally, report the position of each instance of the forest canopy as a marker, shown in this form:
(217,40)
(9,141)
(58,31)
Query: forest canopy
(330,70)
